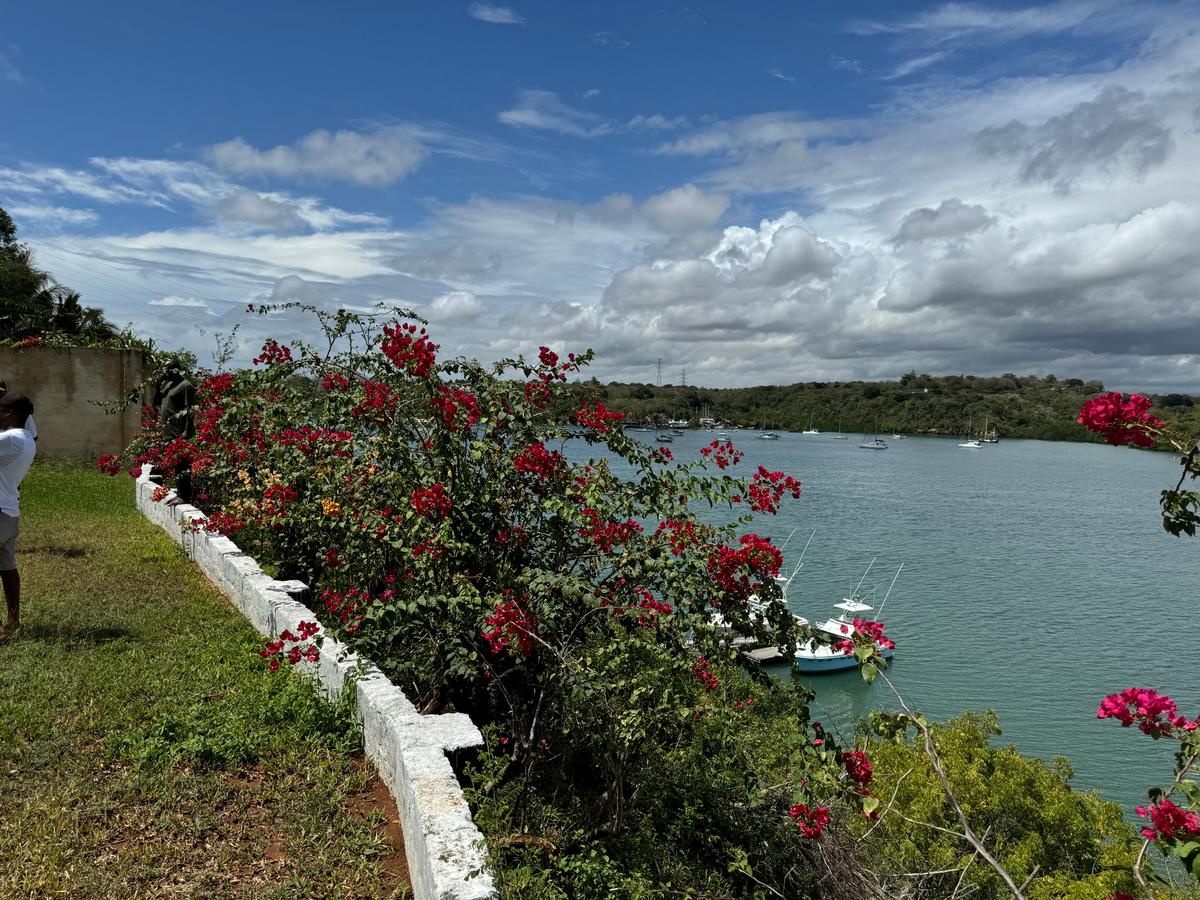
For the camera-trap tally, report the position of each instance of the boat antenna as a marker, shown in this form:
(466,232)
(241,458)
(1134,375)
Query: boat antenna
(800,564)
(783,546)
(854,593)
(879,611)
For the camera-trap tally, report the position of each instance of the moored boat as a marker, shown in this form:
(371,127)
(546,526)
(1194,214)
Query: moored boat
(812,657)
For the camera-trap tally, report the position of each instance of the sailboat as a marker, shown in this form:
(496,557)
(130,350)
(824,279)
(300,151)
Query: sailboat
(988,437)
(810,429)
(839,436)
(971,443)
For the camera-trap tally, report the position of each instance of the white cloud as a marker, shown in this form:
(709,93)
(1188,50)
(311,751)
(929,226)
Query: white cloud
(250,208)
(546,111)
(53,215)
(952,219)
(497,15)
(656,122)
(782,76)
(590,93)
(375,158)
(684,209)
(190,302)
(454,307)
(909,66)
(957,20)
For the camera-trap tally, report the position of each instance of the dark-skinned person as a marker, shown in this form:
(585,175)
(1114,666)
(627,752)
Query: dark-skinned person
(17,449)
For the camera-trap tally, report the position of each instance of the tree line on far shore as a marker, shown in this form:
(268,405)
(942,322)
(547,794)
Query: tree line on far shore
(1017,406)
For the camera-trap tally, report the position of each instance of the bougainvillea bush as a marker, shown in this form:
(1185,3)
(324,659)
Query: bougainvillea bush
(570,608)
(431,505)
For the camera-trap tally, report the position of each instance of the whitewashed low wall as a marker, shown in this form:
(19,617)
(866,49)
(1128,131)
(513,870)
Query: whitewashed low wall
(443,845)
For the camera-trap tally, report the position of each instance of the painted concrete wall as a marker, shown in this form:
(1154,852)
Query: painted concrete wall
(62,382)
(446,859)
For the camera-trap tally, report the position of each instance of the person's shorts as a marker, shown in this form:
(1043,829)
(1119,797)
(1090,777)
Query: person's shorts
(9,527)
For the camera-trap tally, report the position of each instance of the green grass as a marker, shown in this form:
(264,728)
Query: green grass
(145,750)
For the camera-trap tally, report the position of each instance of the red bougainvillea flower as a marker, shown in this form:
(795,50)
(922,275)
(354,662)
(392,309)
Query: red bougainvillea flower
(273,353)
(604,534)
(597,416)
(1156,715)
(458,408)
(723,453)
(1121,421)
(216,387)
(536,460)
(742,571)
(701,669)
(858,767)
(511,626)
(409,349)
(335,382)
(874,631)
(378,402)
(432,502)
(811,820)
(1169,820)
(767,489)
(109,464)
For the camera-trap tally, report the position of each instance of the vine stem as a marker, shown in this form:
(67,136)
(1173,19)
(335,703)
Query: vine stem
(967,833)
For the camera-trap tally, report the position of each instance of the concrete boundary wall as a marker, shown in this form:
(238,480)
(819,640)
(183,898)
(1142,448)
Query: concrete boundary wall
(443,845)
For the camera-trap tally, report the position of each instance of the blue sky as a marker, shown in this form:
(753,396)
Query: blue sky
(761,192)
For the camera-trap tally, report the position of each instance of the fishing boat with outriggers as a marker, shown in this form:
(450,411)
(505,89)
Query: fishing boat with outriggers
(812,657)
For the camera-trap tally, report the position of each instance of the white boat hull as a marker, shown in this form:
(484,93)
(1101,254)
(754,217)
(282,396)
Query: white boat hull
(823,659)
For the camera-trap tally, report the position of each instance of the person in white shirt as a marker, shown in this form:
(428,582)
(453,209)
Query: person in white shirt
(17,449)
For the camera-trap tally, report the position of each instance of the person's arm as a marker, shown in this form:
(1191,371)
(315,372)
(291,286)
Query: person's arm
(31,427)
(9,449)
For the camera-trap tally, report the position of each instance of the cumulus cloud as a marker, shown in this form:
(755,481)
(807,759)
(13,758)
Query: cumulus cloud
(1119,128)
(684,209)
(375,158)
(951,219)
(546,111)
(454,307)
(497,15)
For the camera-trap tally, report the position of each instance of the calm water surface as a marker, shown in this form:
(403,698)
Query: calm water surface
(1037,578)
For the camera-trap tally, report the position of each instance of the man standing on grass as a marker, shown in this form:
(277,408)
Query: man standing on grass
(16,455)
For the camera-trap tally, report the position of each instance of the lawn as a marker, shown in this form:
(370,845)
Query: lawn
(145,750)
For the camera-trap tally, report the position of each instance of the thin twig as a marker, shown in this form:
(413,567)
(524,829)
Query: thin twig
(887,809)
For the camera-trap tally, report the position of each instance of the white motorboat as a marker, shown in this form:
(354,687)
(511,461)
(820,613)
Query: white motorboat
(973,444)
(663,438)
(812,657)
(768,436)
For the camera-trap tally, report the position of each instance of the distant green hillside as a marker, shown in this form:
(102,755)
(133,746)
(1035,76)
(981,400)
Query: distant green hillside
(1011,405)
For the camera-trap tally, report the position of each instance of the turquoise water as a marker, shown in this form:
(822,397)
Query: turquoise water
(1037,578)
